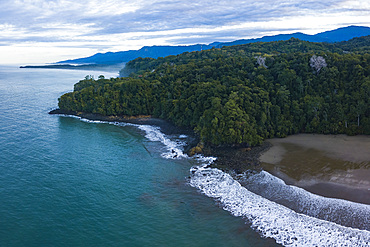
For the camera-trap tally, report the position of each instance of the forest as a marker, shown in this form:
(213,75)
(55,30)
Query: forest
(242,94)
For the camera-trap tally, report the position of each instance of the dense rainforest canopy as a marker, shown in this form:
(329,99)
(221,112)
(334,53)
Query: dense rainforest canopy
(243,94)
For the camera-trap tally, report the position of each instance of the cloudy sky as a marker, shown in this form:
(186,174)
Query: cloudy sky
(45,31)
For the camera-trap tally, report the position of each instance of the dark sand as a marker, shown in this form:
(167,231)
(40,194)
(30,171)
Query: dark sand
(336,166)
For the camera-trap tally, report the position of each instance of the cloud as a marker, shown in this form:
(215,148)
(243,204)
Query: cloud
(122,25)
(104,17)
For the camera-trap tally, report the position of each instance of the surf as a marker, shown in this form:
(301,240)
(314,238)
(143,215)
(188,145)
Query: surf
(270,219)
(310,222)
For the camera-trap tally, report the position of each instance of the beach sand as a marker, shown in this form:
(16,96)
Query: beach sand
(336,166)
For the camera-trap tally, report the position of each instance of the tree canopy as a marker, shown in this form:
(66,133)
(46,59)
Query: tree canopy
(242,94)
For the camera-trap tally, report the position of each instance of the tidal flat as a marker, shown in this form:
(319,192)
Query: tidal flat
(336,166)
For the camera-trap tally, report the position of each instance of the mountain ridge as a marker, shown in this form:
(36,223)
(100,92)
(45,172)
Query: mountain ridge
(110,58)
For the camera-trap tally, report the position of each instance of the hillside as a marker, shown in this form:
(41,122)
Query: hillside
(141,65)
(241,94)
(357,45)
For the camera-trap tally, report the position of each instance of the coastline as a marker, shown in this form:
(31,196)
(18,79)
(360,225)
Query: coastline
(237,160)
(339,168)
(229,158)
(166,127)
(94,67)
(336,166)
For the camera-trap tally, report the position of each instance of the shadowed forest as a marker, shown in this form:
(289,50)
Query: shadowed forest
(242,94)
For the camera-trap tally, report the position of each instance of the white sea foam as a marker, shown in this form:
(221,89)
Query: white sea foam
(204,160)
(174,148)
(271,219)
(85,119)
(340,211)
(92,121)
(153,133)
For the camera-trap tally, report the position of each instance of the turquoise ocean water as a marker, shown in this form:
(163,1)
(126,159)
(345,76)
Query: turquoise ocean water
(66,181)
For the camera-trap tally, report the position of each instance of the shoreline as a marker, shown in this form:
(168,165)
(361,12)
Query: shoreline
(337,178)
(229,158)
(88,67)
(335,166)
(166,127)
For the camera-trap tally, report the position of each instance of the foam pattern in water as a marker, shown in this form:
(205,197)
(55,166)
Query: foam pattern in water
(153,133)
(174,148)
(271,219)
(340,211)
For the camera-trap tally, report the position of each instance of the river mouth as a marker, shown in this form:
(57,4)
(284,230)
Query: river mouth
(330,166)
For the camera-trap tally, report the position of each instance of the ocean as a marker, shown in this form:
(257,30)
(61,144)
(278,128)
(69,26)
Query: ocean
(66,181)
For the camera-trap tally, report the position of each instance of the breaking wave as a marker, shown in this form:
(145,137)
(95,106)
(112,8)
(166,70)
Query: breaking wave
(153,133)
(269,218)
(174,147)
(340,211)
(273,220)
(306,223)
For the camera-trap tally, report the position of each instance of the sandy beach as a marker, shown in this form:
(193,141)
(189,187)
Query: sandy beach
(335,166)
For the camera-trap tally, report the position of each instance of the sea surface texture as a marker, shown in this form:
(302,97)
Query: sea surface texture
(66,181)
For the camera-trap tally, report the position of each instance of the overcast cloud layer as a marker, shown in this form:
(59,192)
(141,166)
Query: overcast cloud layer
(41,31)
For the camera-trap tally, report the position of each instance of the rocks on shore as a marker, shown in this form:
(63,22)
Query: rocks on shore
(237,159)
(229,158)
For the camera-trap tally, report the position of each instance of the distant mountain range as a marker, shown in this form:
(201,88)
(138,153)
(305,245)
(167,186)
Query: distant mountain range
(110,58)
(115,58)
